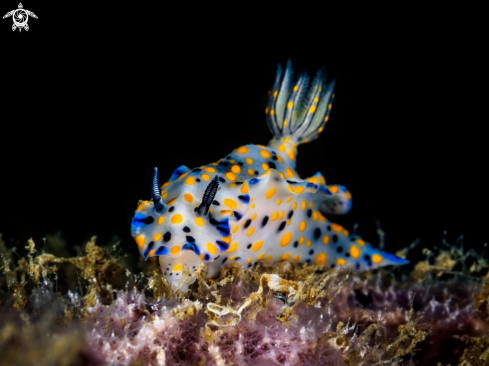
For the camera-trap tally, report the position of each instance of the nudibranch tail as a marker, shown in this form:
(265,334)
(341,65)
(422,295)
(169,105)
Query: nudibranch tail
(299,109)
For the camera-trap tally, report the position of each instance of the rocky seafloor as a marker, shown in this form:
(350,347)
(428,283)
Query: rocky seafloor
(90,309)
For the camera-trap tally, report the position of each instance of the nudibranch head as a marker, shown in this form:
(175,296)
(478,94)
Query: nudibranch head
(180,224)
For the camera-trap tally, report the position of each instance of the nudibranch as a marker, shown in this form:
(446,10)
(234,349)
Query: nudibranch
(252,205)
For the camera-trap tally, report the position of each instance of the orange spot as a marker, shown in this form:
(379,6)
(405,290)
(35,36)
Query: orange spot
(315,215)
(230,203)
(272,112)
(165,185)
(340,262)
(348,195)
(233,247)
(281,215)
(320,259)
(140,207)
(230,176)
(265,154)
(282,175)
(210,169)
(354,251)
(326,119)
(244,188)
(303,226)
(282,147)
(299,189)
(312,109)
(252,205)
(279,202)
(313,180)
(188,197)
(175,250)
(376,258)
(260,256)
(325,239)
(296,258)
(289,199)
(140,241)
(201,256)
(267,257)
(177,268)
(251,231)
(265,166)
(257,246)
(249,260)
(294,205)
(190,181)
(292,154)
(302,240)
(336,227)
(211,248)
(249,161)
(333,189)
(285,256)
(360,242)
(157,237)
(199,221)
(309,243)
(161,220)
(274,216)
(206,177)
(289,172)
(242,149)
(171,201)
(152,252)
(286,239)
(346,232)
(176,219)
(226,212)
(304,205)
(235,168)
(251,171)
(235,228)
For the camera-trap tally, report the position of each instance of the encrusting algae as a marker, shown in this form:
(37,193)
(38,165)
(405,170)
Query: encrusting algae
(91,309)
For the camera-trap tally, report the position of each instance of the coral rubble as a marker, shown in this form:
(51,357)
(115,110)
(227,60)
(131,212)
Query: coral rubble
(91,309)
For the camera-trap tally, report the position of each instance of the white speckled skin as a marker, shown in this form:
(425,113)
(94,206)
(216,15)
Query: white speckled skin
(262,211)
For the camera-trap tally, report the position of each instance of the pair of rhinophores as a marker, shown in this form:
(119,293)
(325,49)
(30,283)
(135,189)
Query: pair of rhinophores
(252,205)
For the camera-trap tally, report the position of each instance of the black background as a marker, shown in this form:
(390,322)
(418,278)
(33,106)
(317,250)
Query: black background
(94,96)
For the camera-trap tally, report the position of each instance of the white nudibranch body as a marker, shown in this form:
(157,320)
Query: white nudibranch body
(252,205)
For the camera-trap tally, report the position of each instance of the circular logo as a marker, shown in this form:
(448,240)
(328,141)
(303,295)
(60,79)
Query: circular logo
(20,18)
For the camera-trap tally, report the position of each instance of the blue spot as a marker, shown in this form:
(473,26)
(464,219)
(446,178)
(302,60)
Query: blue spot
(224,230)
(178,172)
(207,256)
(309,185)
(254,181)
(162,250)
(237,215)
(148,249)
(141,220)
(342,188)
(193,247)
(326,190)
(222,245)
(222,226)
(394,258)
(244,197)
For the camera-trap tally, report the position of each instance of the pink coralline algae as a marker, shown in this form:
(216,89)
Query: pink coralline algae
(434,313)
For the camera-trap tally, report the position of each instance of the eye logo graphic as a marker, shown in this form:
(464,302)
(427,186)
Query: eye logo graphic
(20,17)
